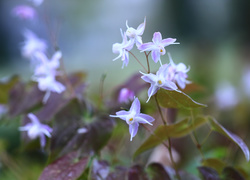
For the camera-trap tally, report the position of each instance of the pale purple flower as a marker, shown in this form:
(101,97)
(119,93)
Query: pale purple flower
(24,12)
(122,49)
(36,129)
(100,170)
(133,117)
(45,65)
(159,80)
(3,109)
(125,95)
(178,73)
(135,34)
(226,96)
(46,72)
(37,2)
(157,47)
(32,44)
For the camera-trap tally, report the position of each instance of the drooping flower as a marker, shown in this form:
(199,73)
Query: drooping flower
(133,117)
(159,80)
(24,12)
(135,34)
(157,47)
(36,129)
(178,73)
(32,44)
(125,95)
(122,49)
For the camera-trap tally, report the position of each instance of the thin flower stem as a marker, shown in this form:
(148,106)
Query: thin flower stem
(101,88)
(169,147)
(205,139)
(147,61)
(195,138)
(138,61)
(159,109)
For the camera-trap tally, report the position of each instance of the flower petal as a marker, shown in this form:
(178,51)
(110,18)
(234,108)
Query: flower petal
(168,41)
(135,107)
(144,119)
(133,128)
(155,55)
(33,118)
(157,38)
(152,90)
(147,46)
(121,114)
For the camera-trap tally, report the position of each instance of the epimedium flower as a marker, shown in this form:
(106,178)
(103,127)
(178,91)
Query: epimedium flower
(178,73)
(157,47)
(159,80)
(36,129)
(135,34)
(46,72)
(125,95)
(32,44)
(133,117)
(122,49)
(24,12)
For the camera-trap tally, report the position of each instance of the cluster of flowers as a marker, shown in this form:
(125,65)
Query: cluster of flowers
(169,76)
(45,70)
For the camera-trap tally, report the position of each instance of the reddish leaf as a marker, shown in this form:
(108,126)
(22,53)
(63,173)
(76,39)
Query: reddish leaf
(68,167)
(208,173)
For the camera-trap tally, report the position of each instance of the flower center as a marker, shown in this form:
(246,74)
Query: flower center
(159,82)
(131,119)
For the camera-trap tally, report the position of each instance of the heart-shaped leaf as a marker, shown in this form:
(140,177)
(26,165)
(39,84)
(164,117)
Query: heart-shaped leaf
(176,99)
(234,138)
(68,167)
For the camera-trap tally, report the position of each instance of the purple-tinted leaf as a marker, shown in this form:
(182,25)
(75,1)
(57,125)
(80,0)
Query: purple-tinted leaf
(136,172)
(120,173)
(68,167)
(208,173)
(176,99)
(234,138)
(229,173)
(65,136)
(216,164)
(157,171)
(163,132)
(100,169)
(5,87)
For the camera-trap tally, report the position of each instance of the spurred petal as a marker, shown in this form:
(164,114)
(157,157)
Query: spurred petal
(42,140)
(168,41)
(150,78)
(121,114)
(136,106)
(133,128)
(169,85)
(155,55)
(157,38)
(33,118)
(141,27)
(147,46)
(152,90)
(144,119)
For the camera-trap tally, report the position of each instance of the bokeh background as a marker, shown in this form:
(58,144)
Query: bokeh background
(214,40)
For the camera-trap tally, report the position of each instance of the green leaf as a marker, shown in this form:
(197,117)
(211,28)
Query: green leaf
(5,88)
(234,138)
(176,99)
(163,132)
(68,167)
(157,171)
(216,164)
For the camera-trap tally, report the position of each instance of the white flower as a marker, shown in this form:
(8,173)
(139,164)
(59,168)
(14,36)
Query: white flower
(135,34)
(32,44)
(36,129)
(159,80)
